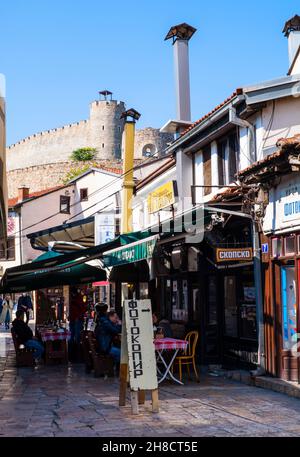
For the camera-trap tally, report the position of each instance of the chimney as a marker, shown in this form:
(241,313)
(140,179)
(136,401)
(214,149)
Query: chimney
(181,34)
(23,193)
(292,32)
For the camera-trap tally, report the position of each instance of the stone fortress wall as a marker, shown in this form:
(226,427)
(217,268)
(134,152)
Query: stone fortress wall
(42,160)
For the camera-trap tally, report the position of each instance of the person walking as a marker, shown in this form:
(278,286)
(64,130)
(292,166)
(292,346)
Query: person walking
(8,304)
(5,308)
(25,305)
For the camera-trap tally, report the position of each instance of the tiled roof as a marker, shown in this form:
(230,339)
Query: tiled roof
(13,201)
(237,92)
(284,145)
(118,171)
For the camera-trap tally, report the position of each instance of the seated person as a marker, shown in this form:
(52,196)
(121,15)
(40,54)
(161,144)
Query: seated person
(162,325)
(107,328)
(25,335)
(100,310)
(165,325)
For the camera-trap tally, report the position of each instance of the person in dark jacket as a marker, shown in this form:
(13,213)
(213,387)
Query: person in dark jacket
(107,328)
(25,305)
(25,336)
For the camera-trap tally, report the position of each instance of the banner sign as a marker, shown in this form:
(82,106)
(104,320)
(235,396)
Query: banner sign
(132,252)
(140,346)
(233,255)
(162,197)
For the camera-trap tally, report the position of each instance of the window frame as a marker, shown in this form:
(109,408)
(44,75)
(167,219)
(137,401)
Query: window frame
(67,202)
(81,191)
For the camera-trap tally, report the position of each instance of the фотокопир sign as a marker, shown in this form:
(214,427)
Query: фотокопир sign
(140,346)
(234,255)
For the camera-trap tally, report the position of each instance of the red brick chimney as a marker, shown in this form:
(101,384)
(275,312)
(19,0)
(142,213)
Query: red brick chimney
(23,193)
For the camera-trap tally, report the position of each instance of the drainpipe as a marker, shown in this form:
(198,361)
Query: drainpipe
(261,365)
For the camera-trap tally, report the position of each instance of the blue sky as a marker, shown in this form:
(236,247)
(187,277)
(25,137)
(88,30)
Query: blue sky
(56,55)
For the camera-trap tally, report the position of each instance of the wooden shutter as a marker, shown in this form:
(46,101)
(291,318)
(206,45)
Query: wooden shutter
(207,169)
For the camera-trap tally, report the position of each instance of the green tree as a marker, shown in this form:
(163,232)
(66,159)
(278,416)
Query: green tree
(83,154)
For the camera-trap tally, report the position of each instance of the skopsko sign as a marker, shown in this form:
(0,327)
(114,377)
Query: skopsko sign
(140,346)
(162,197)
(234,255)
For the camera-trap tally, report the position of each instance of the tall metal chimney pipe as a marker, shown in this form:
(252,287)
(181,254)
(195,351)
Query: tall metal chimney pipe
(292,32)
(181,34)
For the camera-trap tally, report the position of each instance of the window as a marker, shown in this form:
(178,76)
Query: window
(119,128)
(102,145)
(9,253)
(207,170)
(276,247)
(149,150)
(228,153)
(289,245)
(221,162)
(232,158)
(103,127)
(84,195)
(64,204)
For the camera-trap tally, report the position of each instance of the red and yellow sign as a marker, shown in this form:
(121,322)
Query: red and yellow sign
(162,197)
(234,255)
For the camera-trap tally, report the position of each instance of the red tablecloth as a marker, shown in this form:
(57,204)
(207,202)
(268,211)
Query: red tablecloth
(54,336)
(169,344)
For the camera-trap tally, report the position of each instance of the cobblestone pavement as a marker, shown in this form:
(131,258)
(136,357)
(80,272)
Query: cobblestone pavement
(64,401)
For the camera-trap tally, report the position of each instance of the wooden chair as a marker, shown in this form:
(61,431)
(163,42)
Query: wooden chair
(188,355)
(24,356)
(103,364)
(87,355)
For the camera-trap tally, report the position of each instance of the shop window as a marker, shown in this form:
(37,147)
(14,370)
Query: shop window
(276,247)
(144,293)
(9,252)
(180,300)
(64,204)
(84,195)
(289,245)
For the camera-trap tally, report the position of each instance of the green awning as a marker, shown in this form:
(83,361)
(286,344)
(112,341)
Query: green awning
(48,277)
(133,252)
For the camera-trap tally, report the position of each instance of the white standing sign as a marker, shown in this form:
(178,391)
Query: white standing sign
(104,227)
(140,346)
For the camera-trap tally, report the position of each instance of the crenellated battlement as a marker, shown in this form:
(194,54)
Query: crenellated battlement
(103,131)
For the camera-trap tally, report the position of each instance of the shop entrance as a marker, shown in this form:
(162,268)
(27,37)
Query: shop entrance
(287,323)
(239,319)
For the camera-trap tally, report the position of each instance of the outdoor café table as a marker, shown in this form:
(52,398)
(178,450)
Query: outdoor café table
(163,345)
(55,345)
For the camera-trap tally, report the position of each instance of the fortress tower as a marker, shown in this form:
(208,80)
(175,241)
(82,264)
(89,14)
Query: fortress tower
(42,160)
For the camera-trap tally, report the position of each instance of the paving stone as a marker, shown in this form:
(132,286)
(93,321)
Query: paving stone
(64,401)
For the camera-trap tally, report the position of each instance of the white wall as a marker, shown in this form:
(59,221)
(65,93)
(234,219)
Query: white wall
(286,122)
(101,186)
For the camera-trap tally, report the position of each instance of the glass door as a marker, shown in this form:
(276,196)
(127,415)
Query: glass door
(289,307)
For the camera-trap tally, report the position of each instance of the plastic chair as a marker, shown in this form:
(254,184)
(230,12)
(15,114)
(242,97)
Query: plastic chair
(189,354)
